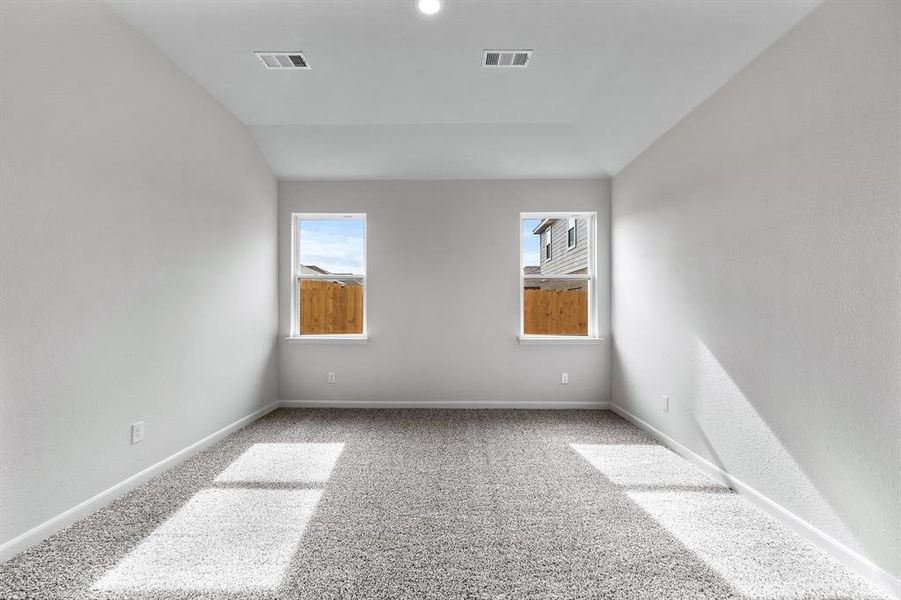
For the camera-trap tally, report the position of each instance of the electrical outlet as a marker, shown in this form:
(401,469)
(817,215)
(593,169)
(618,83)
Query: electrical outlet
(331,377)
(564,379)
(666,404)
(137,432)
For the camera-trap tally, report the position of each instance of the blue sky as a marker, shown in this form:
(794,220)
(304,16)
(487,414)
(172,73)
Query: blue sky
(530,243)
(335,245)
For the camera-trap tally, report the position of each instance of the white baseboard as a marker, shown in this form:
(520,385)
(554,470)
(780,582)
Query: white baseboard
(51,526)
(441,404)
(848,557)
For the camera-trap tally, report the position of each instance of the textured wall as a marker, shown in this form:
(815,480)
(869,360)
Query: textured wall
(138,260)
(756,269)
(443,263)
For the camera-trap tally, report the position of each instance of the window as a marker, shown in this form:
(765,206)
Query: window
(328,284)
(558,298)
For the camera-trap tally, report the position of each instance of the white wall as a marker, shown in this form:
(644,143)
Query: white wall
(756,269)
(138,260)
(443,276)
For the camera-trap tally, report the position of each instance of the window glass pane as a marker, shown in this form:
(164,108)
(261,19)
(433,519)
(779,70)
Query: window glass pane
(555,306)
(531,247)
(331,246)
(330,306)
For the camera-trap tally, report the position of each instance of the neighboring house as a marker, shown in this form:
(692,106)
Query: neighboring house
(563,247)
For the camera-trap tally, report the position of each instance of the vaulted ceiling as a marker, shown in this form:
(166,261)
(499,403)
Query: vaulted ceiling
(393,93)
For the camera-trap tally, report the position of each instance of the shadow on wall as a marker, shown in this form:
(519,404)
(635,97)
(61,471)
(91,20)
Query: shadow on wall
(724,415)
(739,440)
(776,335)
(266,385)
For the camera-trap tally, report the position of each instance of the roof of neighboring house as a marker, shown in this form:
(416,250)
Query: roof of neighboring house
(545,223)
(531,283)
(313,270)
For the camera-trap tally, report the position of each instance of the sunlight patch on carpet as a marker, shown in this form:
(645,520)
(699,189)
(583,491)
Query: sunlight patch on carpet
(221,540)
(753,553)
(643,465)
(283,463)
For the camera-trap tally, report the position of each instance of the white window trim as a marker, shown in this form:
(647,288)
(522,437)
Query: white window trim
(295,334)
(344,338)
(575,340)
(548,244)
(591,277)
(572,223)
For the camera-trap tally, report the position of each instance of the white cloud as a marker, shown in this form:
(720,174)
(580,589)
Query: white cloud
(335,252)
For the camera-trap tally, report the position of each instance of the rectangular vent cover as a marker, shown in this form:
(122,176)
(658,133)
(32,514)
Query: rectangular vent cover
(506,59)
(283,60)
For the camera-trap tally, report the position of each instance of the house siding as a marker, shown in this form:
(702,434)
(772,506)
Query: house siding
(565,261)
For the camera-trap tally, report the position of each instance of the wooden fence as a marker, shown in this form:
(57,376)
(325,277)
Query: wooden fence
(330,307)
(555,312)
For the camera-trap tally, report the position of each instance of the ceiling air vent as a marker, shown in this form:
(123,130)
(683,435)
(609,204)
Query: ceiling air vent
(283,60)
(506,59)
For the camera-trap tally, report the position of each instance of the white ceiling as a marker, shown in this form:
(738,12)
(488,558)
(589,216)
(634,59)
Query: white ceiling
(393,93)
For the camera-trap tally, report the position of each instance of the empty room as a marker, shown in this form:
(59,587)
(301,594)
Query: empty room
(450,299)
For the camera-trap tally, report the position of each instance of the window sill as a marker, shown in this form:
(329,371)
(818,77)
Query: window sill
(328,339)
(559,339)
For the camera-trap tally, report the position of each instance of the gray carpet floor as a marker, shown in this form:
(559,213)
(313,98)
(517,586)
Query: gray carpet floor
(323,503)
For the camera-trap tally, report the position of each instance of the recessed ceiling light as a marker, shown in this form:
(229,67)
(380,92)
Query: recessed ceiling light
(429,7)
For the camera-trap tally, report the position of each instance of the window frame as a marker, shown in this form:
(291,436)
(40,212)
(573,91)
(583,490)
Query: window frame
(296,277)
(591,277)
(572,225)
(548,244)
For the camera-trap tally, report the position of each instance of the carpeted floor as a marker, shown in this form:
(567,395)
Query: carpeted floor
(322,503)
